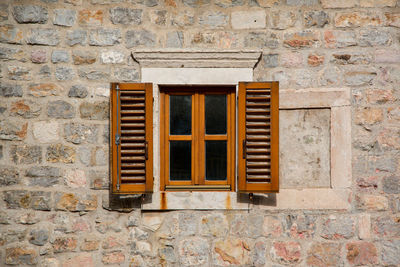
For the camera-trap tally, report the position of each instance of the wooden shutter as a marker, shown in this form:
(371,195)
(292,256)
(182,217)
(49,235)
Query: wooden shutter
(132,137)
(258,137)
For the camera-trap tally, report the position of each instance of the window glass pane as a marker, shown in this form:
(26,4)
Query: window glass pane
(180,160)
(180,112)
(215,114)
(216,160)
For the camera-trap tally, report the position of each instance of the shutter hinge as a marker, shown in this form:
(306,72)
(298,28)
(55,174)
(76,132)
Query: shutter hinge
(117,139)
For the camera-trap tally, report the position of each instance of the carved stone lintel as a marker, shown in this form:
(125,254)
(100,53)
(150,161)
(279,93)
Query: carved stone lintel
(196,58)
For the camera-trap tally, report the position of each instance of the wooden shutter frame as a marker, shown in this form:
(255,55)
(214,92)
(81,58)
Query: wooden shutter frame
(243,185)
(115,150)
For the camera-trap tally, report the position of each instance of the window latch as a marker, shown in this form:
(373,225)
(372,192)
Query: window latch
(117,139)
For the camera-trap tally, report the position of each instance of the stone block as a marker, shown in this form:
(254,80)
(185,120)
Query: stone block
(364,226)
(175,39)
(112,57)
(104,37)
(44,72)
(60,153)
(25,108)
(302,39)
(324,254)
(193,251)
(83,57)
(75,178)
(39,237)
(339,39)
(8,176)
(361,253)
(254,19)
(44,89)
(10,34)
(90,17)
(393,115)
(357,19)
(261,40)
(126,74)
(24,154)
(302,2)
(30,14)
(301,227)
(389,138)
(90,244)
(64,17)
(65,244)
(291,59)
(59,56)
(286,252)
(386,226)
(158,17)
(272,226)
(214,225)
(10,90)
(374,38)
(351,58)
(64,73)
(44,36)
(196,3)
(21,255)
(113,257)
(39,56)
(126,16)
(377,3)
(94,74)
(387,56)
(78,91)
(305,159)
(37,200)
(338,227)
(390,252)
(359,78)
(75,202)
(112,242)
(76,37)
(3,12)
(60,109)
(368,116)
(19,73)
(82,259)
(44,176)
(316,19)
(94,111)
(232,251)
(339,3)
(282,19)
(392,19)
(12,131)
(270,60)
(372,202)
(183,18)
(391,185)
(135,38)
(7,53)
(315,60)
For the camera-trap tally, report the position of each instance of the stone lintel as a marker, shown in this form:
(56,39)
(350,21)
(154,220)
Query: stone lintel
(197,58)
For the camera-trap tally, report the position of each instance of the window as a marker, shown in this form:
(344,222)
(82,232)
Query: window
(198,145)
(197,137)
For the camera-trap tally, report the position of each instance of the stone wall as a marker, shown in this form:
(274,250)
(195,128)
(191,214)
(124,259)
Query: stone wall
(58,58)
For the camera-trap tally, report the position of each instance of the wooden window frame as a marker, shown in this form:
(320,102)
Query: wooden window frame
(198,137)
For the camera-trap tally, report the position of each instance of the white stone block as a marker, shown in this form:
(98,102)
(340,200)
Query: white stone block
(46,132)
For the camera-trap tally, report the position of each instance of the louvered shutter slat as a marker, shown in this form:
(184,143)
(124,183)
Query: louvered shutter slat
(132,167)
(258,133)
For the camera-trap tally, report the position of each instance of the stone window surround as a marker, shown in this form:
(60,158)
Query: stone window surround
(205,67)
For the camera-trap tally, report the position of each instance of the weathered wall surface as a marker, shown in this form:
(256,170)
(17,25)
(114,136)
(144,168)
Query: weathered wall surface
(57,60)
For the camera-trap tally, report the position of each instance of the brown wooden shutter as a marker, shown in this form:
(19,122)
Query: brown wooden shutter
(132,137)
(258,137)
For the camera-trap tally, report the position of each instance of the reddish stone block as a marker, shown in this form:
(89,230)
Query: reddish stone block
(324,254)
(114,257)
(286,252)
(64,244)
(361,253)
(90,17)
(81,260)
(315,60)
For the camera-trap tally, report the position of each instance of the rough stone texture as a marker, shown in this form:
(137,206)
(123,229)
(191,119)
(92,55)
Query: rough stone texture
(119,15)
(60,110)
(57,59)
(94,111)
(104,37)
(44,36)
(140,38)
(78,91)
(305,131)
(64,17)
(30,14)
